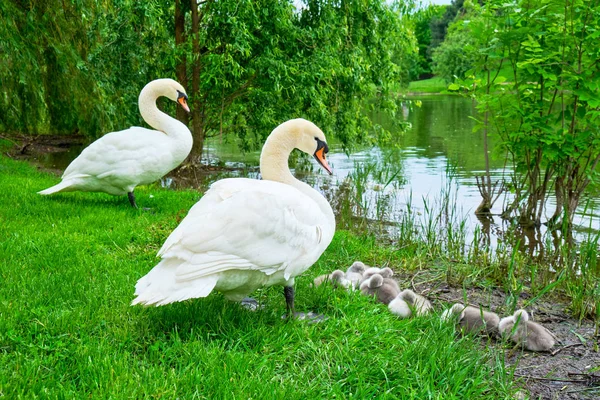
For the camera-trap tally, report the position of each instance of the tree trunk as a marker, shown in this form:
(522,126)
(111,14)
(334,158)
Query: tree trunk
(553,222)
(197,115)
(486,189)
(181,68)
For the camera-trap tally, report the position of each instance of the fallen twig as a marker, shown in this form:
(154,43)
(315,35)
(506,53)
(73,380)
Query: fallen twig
(589,379)
(555,352)
(539,378)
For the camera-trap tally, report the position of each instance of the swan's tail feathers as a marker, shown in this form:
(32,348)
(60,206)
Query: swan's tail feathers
(159,286)
(64,185)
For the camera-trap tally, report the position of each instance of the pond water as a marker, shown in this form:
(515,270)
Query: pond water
(437,159)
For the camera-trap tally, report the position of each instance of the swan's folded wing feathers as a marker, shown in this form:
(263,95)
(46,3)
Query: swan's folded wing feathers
(122,151)
(277,224)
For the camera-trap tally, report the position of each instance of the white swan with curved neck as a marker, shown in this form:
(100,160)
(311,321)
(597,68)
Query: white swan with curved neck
(119,161)
(244,234)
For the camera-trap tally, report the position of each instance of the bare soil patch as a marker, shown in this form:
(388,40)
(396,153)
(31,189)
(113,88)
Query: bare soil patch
(570,371)
(42,150)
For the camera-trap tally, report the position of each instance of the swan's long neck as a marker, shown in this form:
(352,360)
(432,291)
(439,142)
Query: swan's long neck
(161,121)
(274,167)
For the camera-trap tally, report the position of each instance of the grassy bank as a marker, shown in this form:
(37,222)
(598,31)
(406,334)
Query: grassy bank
(69,265)
(432,85)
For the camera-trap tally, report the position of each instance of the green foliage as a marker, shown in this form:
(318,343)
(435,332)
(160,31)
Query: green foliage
(272,62)
(455,55)
(422,19)
(439,24)
(546,109)
(77,66)
(69,266)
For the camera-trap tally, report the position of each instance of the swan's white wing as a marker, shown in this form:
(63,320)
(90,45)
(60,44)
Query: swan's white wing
(244,224)
(126,153)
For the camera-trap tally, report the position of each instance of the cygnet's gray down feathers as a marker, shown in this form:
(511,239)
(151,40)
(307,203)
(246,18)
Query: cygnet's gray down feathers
(384,289)
(528,334)
(472,319)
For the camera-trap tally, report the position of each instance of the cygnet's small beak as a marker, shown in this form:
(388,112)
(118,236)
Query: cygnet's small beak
(320,157)
(183,102)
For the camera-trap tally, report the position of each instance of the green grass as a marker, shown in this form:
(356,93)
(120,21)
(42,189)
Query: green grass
(439,85)
(432,85)
(69,265)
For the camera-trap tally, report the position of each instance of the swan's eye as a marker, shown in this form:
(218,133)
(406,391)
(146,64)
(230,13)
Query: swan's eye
(322,145)
(181,95)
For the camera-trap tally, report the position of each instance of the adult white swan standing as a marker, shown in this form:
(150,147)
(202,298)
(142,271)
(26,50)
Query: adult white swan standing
(119,161)
(245,233)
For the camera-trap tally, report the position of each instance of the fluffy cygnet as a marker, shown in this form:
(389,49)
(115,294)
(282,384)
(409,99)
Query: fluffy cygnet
(528,334)
(337,279)
(419,303)
(400,308)
(318,281)
(355,273)
(473,319)
(384,272)
(384,289)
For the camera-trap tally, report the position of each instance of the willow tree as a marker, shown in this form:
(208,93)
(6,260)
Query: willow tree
(252,64)
(71,66)
(77,67)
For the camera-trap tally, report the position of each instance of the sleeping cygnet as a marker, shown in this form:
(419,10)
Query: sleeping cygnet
(355,274)
(384,289)
(472,319)
(419,304)
(384,272)
(399,307)
(528,334)
(337,279)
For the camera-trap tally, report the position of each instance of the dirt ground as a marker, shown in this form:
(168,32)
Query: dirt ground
(570,371)
(36,149)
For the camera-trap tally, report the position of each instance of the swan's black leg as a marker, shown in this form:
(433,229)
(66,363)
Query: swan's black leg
(311,317)
(288,292)
(131,197)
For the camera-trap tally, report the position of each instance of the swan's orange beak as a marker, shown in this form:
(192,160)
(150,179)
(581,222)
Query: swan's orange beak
(183,102)
(320,157)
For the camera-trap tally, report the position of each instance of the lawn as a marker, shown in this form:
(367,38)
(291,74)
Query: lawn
(432,85)
(69,265)
(439,85)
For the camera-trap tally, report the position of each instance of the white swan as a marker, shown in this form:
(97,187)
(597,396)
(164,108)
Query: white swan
(245,233)
(119,161)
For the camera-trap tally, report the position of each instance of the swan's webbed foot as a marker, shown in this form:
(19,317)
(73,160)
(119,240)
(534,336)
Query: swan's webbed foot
(131,197)
(311,317)
(250,304)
